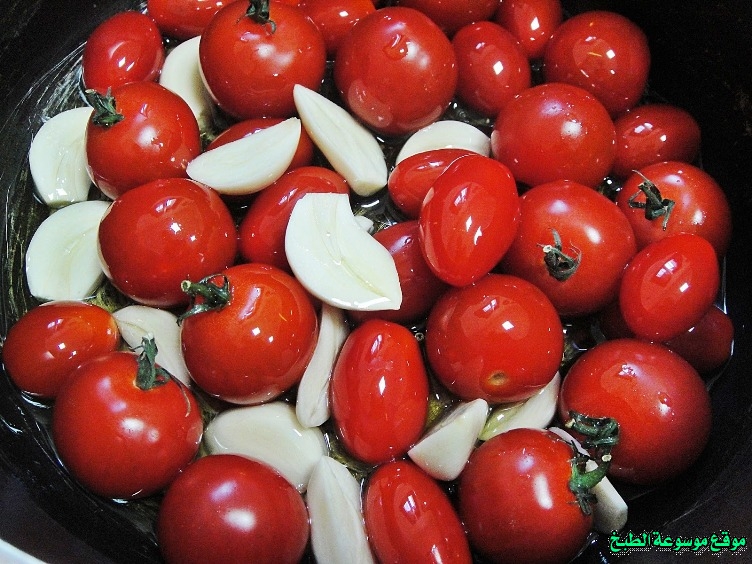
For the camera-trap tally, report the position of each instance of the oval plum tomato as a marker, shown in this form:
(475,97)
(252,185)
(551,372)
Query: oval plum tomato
(250,333)
(603,52)
(659,400)
(335,18)
(573,243)
(652,133)
(532,22)
(142,132)
(396,71)
(126,47)
(499,339)
(409,518)
(157,235)
(668,286)
(492,68)
(553,132)
(183,19)
(469,219)
(452,15)
(708,345)
(123,427)
(228,508)
(253,52)
(673,197)
(379,392)
(44,346)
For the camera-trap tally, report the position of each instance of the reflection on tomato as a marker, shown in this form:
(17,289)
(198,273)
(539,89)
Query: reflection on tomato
(183,19)
(532,22)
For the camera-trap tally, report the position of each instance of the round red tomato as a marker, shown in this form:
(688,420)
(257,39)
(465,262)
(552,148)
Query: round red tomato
(499,339)
(335,18)
(553,132)
(532,22)
(379,392)
(708,345)
(183,19)
(157,235)
(49,341)
(603,52)
(451,15)
(660,402)
(252,54)
(252,335)
(228,508)
(127,47)
(396,71)
(469,219)
(409,518)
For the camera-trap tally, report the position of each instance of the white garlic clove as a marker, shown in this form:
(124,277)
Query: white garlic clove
(446,134)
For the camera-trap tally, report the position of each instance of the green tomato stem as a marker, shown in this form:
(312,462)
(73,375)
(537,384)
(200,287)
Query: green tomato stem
(212,296)
(654,205)
(105,112)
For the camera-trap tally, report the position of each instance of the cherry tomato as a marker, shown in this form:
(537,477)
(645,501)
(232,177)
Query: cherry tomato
(253,53)
(499,339)
(126,47)
(228,508)
(143,132)
(708,345)
(252,336)
(157,235)
(44,346)
(553,132)
(409,518)
(659,400)
(335,18)
(469,219)
(396,71)
(532,22)
(183,19)
(379,392)
(452,15)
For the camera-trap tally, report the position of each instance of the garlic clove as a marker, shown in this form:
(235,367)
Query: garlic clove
(445,134)
(181,73)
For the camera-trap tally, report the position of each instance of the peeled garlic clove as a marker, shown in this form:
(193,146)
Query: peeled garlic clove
(57,158)
(535,412)
(137,321)
(338,534)
(62,261)
(181,73)
(249,164)
(446,134)
(269,433)
(443,452)
(312,405)
(336,260)
(349,147)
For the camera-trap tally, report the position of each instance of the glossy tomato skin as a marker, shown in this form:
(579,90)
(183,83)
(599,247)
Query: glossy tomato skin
(379,392)
(451,15)
(183,19)
(118,440)
(157,235)
(49,341)
(708,345)
(228,508)
(552,132)
(499,339)
(658,399)
(409,518)
(257,346)
(249,70)
(335,18)
(515,501)
(469,219)
(532,22)
(127,47)
(396,71)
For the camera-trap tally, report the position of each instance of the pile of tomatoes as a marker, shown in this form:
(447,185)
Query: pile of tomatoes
(589,214)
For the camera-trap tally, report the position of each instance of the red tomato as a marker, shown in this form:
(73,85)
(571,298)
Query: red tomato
(706,346)
(683,199)
(659,400)
(335,18)
(515,501)
(409,518)
(255,337)
(143,132)
(652,133)
(44,346)
(469,219)
(499,339)
(580,273)
(123,430)
(492,67)
(251,58)
(451,15)
(157,235)
(603,52)
(228,508)
(553,132)
(379,392)
(532,22)
(127,47)
(396,71)
(183,19)
(668,286)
